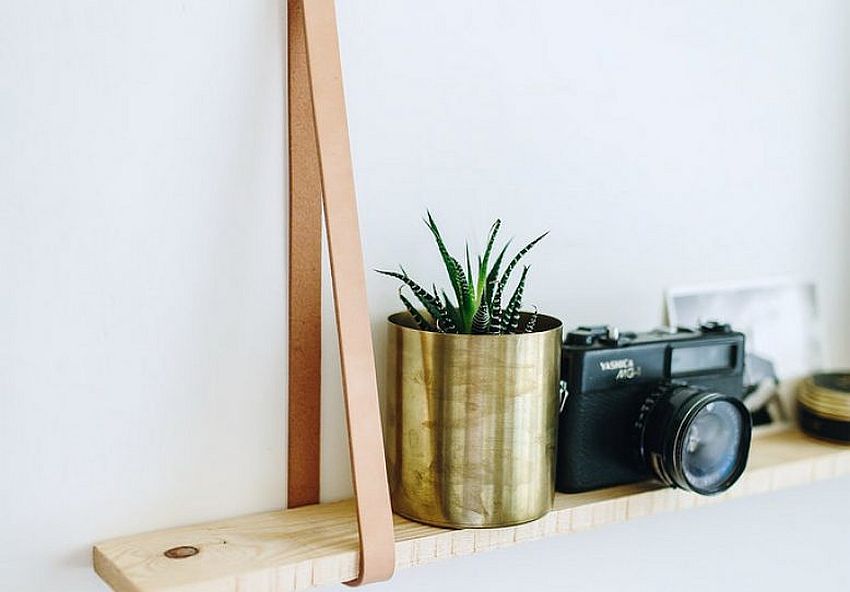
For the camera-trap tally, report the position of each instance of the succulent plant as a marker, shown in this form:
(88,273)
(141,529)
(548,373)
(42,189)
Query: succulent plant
(481,305)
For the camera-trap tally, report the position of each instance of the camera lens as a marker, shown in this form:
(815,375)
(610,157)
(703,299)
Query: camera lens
(693,438)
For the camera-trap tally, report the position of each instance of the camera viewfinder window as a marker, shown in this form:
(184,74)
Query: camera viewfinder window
(690,360)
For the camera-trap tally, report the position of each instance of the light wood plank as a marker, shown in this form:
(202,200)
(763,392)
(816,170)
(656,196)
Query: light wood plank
(317,545)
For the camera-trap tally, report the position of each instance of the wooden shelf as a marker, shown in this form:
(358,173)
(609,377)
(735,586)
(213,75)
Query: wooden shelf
(317,545)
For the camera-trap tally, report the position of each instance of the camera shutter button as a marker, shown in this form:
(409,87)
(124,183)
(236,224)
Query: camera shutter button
(611,337)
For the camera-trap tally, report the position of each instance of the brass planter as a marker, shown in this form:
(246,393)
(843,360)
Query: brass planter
(471,424)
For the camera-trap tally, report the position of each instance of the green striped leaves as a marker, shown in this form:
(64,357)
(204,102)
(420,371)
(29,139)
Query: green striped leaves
(478,291)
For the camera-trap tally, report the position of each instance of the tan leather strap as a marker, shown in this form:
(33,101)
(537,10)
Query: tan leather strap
(305,277)
(368,465)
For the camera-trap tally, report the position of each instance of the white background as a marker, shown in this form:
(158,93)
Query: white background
(142,217)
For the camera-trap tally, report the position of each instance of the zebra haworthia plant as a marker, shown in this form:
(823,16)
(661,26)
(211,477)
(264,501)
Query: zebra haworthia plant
(480,306)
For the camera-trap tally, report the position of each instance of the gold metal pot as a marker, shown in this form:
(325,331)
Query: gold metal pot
(472,423)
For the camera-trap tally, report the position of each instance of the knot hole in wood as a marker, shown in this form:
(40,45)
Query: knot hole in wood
(181,552)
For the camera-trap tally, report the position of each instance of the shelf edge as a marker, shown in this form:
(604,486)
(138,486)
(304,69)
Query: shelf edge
(317,545)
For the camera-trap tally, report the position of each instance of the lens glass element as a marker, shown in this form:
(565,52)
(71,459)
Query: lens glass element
(710,453)
(694,438)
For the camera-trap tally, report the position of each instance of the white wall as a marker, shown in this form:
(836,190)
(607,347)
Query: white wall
(142,231)
(142,336)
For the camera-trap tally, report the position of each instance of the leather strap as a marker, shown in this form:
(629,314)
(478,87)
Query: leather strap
(305,277)
(368,465)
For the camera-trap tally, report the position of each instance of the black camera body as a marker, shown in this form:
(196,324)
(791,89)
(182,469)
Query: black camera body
(631,401)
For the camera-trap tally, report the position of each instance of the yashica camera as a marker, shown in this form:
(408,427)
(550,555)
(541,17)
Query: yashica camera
(664,404)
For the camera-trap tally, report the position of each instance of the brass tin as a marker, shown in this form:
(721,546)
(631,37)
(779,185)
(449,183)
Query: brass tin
(472,424)
(823,406)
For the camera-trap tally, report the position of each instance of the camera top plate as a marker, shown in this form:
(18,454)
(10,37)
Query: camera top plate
(610,336)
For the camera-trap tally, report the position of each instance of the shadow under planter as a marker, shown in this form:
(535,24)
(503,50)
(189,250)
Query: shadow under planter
(472,424)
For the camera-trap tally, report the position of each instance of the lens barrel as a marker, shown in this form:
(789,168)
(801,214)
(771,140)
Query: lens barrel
(694,438)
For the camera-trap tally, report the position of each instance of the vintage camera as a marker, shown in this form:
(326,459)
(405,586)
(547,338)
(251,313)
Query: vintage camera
(664,404)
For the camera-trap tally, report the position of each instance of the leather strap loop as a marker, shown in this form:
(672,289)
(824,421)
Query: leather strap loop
(368,465)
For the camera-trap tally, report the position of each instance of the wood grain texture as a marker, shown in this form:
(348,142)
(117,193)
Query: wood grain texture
(317,545)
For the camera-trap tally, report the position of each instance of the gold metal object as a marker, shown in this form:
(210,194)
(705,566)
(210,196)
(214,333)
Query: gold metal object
(831,403)
(472,423)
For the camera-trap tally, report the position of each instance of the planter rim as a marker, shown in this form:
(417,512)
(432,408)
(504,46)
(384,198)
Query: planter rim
(545,323)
